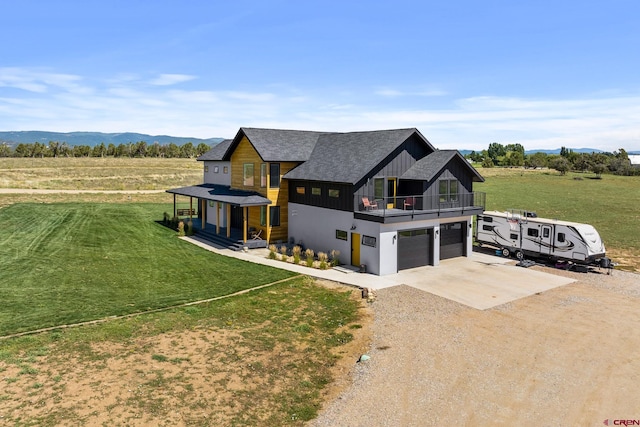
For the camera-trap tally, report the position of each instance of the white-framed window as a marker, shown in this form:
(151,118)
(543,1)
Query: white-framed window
(342,235)
(247,176)
(216,169)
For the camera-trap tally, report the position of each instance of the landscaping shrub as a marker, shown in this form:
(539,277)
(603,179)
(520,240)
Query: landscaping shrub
(323,257)
(296,254)
(189,229)
(283,251)
(181,228)
(309,257)
(272,251)
(335,258)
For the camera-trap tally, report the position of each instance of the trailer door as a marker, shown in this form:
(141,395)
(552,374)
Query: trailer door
(546,240)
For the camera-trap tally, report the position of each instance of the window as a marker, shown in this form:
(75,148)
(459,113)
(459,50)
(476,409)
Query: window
(216,169)
(316,191)
(487,228)
(274,175)
(378,188)
(532,232)
(487,219)
(334,192)
(545,233)
(211,203)
(561,237)
(225,169)
(274,214)
(513,236)
(263,175)
(448,190)
(369,241)
(206,169)
(300,190)
(263,215)
(247,177)
(453,190)
(342,235)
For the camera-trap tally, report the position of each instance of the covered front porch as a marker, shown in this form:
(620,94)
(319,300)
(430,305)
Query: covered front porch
(221,213)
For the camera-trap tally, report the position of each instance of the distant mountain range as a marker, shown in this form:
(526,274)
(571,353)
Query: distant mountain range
(95,138)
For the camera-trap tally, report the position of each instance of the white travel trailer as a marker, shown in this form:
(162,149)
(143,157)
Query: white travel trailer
(522,233)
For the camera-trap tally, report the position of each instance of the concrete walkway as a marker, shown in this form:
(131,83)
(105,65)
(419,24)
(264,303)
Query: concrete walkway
(481,281)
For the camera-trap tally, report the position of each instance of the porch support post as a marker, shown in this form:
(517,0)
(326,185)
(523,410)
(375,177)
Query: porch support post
(228,220)
(245,214)
(190,208)
(268,227)
(203,211)
(217,217)
(175,213)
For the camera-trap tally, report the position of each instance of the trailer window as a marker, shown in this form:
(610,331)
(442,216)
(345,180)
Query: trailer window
(560,237)
(545,232)
(513,236)
(487,219)
(487,228)
(532,232)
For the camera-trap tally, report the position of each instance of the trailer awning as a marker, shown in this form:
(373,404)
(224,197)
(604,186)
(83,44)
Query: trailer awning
(222,193)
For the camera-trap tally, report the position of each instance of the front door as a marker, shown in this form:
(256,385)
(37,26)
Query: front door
(355,249)
(546,245)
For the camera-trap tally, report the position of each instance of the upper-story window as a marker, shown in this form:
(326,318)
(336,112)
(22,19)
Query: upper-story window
(247,177)
(448,190)
(378,188)
(274,175)
(263,175)
(216,169)
(206,169)
(225,169)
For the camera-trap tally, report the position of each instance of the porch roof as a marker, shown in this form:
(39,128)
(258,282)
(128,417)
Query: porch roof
(222,193)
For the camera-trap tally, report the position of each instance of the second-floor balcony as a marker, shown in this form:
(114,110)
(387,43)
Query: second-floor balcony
(401,208)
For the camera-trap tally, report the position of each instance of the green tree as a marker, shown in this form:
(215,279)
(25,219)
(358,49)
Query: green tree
(187,150)
(5,149)
(201,149)
(561,164)
(598,169)
(496,151)
(99,150)
(537,160)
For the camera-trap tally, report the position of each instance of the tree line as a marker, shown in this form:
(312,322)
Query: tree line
(131,149)
(513,155)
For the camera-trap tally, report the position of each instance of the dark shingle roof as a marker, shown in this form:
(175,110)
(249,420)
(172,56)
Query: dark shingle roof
(276,145)
(222,193)
(348,157)
(217,152)
(429,166)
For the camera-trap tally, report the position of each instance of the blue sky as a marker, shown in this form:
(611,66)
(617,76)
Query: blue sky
(465,73)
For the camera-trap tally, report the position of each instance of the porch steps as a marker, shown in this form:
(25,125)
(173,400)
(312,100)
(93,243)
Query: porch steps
(230,243)
(211,236)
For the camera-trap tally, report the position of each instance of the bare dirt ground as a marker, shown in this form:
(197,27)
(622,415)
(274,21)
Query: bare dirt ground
(201,376)
(567,356)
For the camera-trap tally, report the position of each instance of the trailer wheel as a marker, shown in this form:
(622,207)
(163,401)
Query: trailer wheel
(505,252)
(519,255)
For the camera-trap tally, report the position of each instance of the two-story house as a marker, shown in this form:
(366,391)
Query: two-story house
(386,199)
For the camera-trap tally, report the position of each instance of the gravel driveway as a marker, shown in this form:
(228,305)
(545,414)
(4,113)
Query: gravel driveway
(567,356)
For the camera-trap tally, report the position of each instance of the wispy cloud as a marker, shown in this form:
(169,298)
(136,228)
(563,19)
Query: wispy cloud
(171,79)
(65,102)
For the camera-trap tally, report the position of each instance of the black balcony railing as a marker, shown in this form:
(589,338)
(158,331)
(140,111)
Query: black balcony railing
(411,205)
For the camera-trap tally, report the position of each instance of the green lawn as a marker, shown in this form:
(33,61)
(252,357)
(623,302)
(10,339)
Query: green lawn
(611,204)
(65,263)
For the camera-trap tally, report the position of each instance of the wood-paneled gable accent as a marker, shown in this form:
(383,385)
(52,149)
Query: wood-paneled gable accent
(246,153)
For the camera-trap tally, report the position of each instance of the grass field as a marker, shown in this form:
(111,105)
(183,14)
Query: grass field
(98,173)
(610,204)
(65,263)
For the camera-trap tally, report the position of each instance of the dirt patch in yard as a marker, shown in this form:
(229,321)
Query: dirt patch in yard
(199,376)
